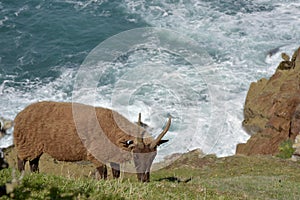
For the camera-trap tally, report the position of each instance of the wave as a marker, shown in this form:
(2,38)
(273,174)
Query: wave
(238,36)
(207,104)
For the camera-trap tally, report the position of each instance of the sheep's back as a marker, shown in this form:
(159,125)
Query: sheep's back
(48,127)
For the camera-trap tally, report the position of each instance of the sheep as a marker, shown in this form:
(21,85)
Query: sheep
(75,132)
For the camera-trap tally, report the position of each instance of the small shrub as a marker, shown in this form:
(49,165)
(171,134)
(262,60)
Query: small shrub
(286,149)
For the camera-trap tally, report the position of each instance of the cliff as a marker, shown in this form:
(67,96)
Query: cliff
(272,109)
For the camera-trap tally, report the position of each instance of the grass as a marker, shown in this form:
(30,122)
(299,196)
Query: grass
(189,177)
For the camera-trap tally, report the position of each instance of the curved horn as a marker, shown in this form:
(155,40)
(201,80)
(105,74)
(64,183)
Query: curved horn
(161,135)
(140,136)
(1,124)
(139,120)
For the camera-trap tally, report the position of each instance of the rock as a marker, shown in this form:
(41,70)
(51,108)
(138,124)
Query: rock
(272,110)
(296,146)
(285,57)
(3,163)
(5,124)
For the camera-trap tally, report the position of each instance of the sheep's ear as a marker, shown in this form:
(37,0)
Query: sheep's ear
(127,143)
(162,141)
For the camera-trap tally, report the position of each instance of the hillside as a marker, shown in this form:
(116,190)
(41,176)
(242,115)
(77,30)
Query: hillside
(191,176)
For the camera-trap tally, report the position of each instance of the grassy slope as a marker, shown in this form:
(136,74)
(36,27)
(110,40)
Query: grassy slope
(236,177)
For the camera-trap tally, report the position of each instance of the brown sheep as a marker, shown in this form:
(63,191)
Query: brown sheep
(75,132)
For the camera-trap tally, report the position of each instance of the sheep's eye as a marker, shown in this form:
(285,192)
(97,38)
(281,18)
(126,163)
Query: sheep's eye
(129,142)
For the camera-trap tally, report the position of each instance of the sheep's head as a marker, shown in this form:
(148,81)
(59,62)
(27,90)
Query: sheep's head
(144,153)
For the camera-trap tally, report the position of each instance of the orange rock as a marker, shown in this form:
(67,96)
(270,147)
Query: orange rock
(272,111)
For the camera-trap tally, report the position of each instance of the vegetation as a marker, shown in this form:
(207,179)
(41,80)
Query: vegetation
(286,149)
(189,177)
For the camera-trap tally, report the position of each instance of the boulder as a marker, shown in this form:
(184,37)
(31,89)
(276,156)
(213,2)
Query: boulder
(296,146)
(3,163)
(5,124)
(272,110)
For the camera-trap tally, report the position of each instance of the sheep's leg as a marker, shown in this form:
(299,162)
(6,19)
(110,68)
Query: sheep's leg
(34,164)
(21,164)
(115,167)
(102,171)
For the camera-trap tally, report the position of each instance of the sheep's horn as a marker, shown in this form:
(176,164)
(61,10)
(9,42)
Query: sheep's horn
(161,135)
(140,119)
(140,136)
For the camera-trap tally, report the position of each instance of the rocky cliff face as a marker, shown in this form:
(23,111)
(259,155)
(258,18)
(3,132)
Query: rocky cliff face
(272,109)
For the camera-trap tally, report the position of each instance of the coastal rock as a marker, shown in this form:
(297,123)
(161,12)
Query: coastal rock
(3,163)
(272,110)
(5,124)
(296,146)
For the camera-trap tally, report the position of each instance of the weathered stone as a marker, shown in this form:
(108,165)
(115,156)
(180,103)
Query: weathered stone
(5,124)
(285,57)
(295,124)
(3,163)
(272,110)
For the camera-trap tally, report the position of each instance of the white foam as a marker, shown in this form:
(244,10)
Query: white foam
(82,4)
(239,42)
(17,95)
(3,20)
(24,8)
(206,104)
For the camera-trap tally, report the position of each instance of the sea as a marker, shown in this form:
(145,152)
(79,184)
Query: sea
(193,60)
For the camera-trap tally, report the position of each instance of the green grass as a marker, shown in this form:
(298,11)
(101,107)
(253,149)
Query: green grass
(286,149)
(236,177)
(41,186)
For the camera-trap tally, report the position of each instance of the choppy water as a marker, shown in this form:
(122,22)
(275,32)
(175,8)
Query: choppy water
(44,43)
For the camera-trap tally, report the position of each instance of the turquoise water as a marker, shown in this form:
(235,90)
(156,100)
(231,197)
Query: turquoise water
(43,44)
(37,37)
